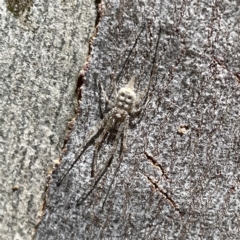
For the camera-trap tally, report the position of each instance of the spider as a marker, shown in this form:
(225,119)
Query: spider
(126,104)
(118,117)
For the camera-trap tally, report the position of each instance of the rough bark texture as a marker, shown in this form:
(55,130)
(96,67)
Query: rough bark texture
(195,87)
(43,46)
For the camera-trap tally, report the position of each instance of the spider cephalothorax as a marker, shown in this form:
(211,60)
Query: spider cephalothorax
(126,96)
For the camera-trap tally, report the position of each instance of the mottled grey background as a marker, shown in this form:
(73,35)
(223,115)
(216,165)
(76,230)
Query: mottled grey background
(195,86)
(43,46)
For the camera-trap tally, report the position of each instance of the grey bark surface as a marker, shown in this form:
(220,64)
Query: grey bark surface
(43,46)
(195,87)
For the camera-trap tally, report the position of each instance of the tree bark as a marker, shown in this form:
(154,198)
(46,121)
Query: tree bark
(179,178)
(43,46)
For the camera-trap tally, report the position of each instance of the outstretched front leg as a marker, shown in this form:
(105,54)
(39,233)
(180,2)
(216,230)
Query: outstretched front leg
(106,97)
(144,93)
(134,111)
(114,86)
(114,91)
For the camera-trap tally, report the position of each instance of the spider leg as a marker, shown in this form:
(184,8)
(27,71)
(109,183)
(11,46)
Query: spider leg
(86,140)
(115,88)
(142,107)
(106,97)
(126,124)
(108,125)
(108,163)
(124,148)
(113,78)
(142,95)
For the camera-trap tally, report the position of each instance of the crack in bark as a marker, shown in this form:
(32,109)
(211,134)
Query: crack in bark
(157,165)
(163,193)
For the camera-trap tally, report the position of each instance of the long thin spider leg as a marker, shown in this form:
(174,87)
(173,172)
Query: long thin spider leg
(113,178)
(115,88)
(124,148)
(154,65)
(126,125)
(153,70)
(131,50)
(113,79)
(106,97)
(142,107)
(142,95)
(108,125)
(120,130)
(86,140)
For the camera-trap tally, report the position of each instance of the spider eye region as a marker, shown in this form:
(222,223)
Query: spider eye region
(121,98)
(126,94)
(126,98)
(120,103)
(129,100)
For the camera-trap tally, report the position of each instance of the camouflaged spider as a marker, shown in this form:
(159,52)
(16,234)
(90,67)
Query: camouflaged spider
(118,117)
